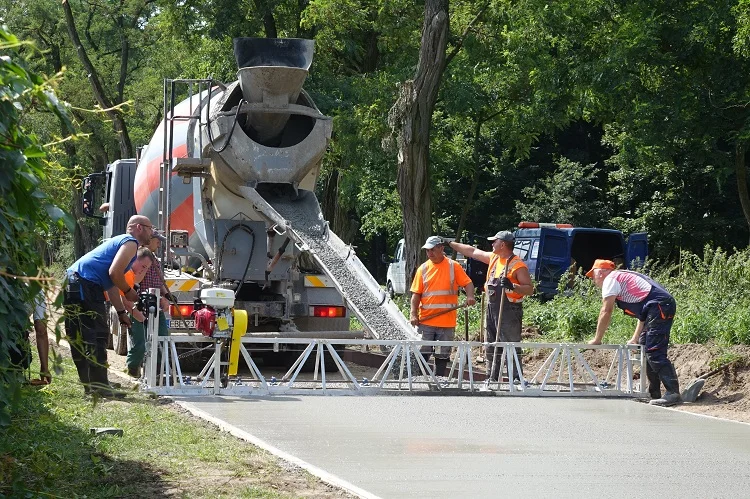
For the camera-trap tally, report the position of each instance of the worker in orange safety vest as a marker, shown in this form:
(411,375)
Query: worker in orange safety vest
(435,290)
(506,273)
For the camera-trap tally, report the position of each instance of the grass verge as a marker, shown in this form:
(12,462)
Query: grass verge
(48,451)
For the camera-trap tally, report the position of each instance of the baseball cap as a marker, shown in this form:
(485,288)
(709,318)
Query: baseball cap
(432,241)
(601,264)
(503,235)
(159,235)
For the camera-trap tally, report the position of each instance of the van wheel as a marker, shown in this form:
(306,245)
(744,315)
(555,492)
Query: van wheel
(118,334)
(389,290)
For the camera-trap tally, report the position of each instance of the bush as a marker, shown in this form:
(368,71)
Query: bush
(25,211)
(712,294)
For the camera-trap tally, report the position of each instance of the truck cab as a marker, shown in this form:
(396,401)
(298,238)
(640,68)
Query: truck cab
(551,250)
(395,280)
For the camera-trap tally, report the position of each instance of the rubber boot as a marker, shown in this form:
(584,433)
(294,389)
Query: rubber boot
(668,377)
(440,367)
(669,399)
(82,366)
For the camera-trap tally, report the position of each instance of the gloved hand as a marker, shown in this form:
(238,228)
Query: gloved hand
(506,283)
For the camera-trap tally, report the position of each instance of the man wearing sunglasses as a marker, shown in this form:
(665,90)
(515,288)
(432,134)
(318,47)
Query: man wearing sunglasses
(101,269)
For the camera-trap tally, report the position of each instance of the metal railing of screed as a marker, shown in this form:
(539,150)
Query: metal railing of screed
(335,367)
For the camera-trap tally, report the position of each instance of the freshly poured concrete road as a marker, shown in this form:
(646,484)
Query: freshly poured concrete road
(470,447)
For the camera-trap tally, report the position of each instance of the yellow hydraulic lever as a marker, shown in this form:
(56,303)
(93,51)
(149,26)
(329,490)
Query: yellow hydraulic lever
(238,331)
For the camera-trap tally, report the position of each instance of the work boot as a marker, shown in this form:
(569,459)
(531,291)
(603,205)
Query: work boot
(107,392)
(134,372)
(668,400)
(440,367)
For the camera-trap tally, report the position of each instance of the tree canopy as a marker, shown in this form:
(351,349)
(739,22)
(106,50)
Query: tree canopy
(622,115)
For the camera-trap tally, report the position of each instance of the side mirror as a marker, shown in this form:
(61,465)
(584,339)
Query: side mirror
(386,259)
(91,185)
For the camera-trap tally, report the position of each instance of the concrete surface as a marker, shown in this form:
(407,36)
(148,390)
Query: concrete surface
(471,447)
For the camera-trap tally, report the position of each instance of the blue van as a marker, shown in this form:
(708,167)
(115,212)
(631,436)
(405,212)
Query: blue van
(550,250)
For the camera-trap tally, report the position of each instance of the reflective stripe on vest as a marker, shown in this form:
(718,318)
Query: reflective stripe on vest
(452,291)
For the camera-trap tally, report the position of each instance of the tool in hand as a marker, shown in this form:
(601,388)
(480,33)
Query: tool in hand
(442,312)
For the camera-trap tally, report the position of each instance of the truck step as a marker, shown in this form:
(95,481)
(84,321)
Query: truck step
(191,167)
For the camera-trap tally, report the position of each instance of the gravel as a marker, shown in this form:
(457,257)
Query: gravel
(307,221)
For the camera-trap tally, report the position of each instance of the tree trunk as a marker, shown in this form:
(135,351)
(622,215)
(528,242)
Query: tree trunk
(410,119)
(741,172)
(265,9)
(126,148)
(475,178)
(329,198)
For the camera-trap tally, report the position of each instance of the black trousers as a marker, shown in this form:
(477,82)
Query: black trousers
(87,330)
(510,330)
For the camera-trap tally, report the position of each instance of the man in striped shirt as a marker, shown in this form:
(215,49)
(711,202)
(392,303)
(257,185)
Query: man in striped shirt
(641,297)
(153,279)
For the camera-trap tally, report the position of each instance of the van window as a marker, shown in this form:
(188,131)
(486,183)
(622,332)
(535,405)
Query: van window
(399,252)
(555,246)
(522,249)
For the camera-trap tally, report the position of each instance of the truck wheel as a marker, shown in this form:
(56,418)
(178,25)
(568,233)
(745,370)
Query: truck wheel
(389,290)
(119,334)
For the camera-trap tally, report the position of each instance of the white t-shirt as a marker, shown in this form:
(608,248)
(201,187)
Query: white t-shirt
(628,287)
(40,306)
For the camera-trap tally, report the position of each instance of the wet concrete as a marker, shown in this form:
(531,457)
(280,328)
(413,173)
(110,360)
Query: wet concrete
(471,447)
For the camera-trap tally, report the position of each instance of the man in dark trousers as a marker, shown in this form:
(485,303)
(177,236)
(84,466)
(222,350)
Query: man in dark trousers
(641,297)
(506,273)
(101,269)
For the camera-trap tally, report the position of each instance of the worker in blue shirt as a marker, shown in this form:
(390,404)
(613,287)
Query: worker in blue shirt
(101,269)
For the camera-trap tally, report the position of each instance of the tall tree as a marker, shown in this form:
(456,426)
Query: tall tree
(105,101)
(410,119)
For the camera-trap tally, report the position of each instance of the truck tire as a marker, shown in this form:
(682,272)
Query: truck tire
(119,334)
(389,289)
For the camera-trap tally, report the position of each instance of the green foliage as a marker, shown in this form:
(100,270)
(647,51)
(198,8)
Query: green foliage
(570,195)
(726,357)
(571,316)
(712,294)
(49,451)
(25,210)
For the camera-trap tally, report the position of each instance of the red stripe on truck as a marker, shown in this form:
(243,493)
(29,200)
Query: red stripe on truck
(144,187)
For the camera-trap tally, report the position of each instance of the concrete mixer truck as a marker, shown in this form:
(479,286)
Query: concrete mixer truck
(229,175)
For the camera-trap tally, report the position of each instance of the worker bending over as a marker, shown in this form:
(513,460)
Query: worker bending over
(641,297)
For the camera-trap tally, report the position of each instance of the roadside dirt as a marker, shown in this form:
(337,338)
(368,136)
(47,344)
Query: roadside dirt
(725,394)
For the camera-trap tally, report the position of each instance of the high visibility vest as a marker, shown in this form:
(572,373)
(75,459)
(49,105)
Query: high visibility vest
(497,268)
(440,291)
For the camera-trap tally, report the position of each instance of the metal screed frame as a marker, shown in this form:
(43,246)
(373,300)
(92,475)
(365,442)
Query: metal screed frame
(402,369)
